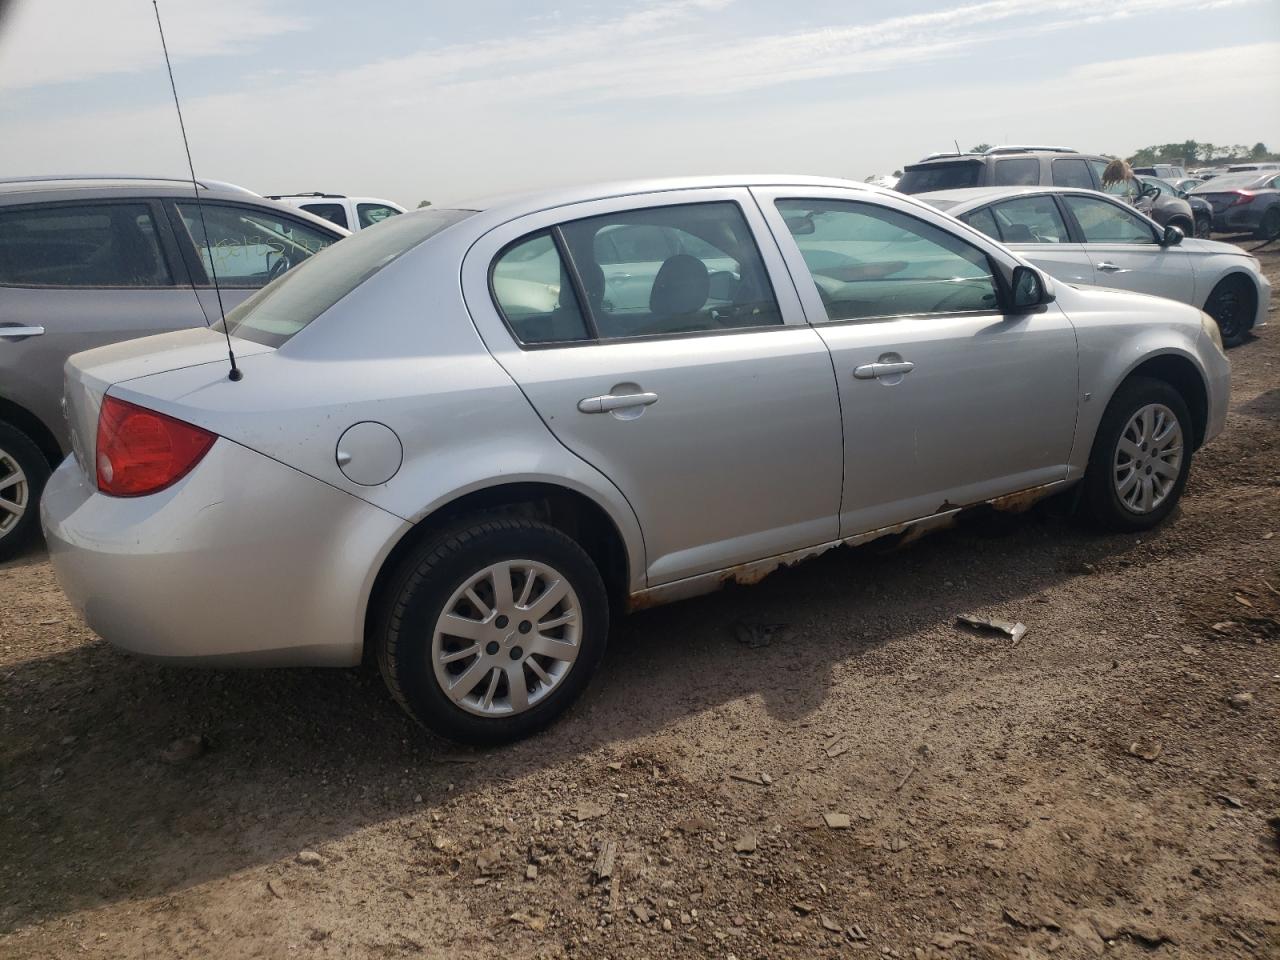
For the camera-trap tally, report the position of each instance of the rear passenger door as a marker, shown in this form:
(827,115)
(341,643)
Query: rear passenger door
(76,275)
(660,341)
(1033,226)
(947,400)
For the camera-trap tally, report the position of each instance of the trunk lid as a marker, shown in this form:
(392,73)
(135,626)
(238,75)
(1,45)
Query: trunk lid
(87,376)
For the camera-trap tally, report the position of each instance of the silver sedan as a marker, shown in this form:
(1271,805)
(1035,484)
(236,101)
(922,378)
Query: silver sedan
(467,439)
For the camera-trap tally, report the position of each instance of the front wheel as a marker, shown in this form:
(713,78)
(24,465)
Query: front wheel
(493,629)
(1204,228)
(1141,456)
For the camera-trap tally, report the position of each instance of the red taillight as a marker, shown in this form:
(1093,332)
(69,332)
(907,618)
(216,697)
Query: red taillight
(141,451)
(1242,196)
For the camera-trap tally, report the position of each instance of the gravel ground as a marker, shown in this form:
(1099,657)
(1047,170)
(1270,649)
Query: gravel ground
(872,778)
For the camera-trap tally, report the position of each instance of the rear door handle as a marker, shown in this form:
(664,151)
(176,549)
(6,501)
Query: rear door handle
(616,401)
(870,371)
(1112,268)
(21,331)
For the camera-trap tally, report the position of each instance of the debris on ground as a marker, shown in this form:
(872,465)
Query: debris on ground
(1148,750)
(1014,630)
(185,749)
(756,635)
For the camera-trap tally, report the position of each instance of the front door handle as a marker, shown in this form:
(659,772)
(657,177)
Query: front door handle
(1106,267)
(616,401)
(21,331)
(871,371)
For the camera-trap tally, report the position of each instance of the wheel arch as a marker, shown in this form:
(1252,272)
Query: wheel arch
(21,418)
(1181,373)
(572,512)
(1230,275)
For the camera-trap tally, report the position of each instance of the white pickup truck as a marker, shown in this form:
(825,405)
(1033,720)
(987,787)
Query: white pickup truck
(354,213)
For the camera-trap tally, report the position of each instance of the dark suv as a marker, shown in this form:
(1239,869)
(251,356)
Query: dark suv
(1005,167)
(1024,166)
(87,261)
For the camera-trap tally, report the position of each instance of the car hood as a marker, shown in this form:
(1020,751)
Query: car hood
(1077,300)
(1205,247)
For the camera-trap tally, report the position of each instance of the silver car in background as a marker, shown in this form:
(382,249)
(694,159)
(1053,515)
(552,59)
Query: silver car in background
(466,439)
(89,260)
(1081,236)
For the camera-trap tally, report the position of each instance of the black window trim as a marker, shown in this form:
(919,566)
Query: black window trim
(165,241)
(195,265)
(1004,295)
(575,279)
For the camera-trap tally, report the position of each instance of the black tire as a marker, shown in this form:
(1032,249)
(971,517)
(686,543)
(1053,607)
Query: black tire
(1188,229)
(1100,500)
(18,447)
(1269,227)
(1204,228)
(425,583)
(1232,304)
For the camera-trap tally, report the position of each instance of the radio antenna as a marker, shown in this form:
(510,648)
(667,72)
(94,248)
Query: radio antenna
(235,373)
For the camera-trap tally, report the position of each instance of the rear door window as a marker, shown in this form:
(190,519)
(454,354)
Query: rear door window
(1030,220)
(1019,171)
(91,245)
(658,271)
(333,212)
(1072,173)
(983,220)
(248,246)
(534,293)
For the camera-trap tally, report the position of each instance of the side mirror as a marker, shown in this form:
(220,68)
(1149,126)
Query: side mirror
(1029,289)
(1172,236)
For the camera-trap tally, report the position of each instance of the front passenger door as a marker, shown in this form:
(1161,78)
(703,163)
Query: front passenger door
(1126,251)
(947,400)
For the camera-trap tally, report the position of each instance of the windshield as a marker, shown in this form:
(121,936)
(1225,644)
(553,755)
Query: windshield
(940,176)
(280,309)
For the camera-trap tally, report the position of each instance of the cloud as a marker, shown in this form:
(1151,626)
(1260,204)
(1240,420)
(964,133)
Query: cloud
(87,39)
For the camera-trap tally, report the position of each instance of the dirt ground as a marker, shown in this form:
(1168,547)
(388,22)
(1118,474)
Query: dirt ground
(872,780)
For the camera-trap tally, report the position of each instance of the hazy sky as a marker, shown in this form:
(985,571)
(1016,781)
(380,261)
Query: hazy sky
(440,101)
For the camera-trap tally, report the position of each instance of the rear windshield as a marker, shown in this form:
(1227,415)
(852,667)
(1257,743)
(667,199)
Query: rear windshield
(282,308)
(939,176)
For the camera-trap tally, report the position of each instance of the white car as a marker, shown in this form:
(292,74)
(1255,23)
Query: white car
(353,213)
(1082,236)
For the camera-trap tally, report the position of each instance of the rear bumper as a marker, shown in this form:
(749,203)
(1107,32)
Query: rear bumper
(243,562)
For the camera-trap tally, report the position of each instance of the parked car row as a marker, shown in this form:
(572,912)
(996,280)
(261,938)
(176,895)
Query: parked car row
(468,439)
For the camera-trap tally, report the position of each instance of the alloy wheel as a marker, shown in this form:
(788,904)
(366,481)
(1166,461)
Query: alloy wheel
(1148,458)
(15,493)
(506,638)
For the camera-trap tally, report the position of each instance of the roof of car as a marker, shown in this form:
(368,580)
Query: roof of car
(116,183)
(973,196)
(529,201)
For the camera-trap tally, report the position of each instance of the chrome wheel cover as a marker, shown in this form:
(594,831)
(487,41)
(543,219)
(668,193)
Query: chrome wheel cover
(1148,458)
(15,493)
(506,638)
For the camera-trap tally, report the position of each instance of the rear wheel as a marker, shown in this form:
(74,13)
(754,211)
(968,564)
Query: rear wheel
(1231,304)
(1141,456)
(493,630)
(1204,228)
(23,472)
(1269,228)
